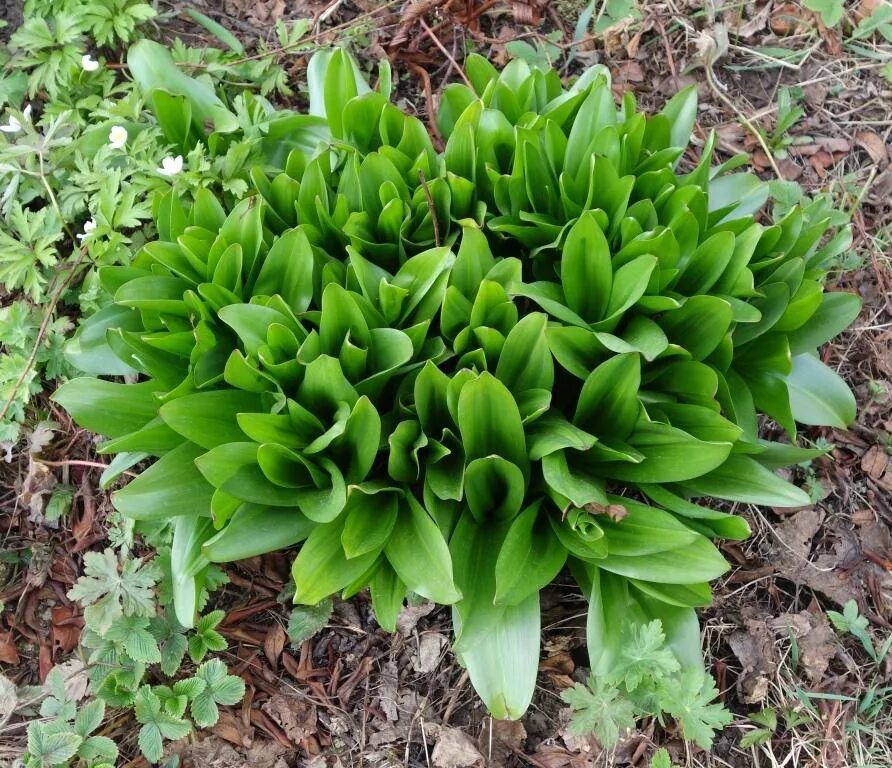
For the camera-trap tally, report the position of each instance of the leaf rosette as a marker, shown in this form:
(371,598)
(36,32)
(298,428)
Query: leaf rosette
(453,374)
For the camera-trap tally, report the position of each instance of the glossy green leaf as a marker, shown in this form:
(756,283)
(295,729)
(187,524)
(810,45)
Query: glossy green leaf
(419,554)
(171,487)
(818,395)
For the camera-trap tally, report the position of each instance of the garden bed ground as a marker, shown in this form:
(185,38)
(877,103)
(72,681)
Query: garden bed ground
(353,695)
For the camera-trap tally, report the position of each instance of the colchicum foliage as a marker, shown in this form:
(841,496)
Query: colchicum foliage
(454,373)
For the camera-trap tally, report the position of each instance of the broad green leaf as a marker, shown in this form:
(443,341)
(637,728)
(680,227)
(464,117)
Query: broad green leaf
(670,455)
(370,518)
(494,488)
(692,563)
(152,66)
(608,404)
(171,487)
(530,557)
(525,361)
(741,478)
(498,645)
(419,554)
(586,271)
(490,421)
(387,592)
(113,410)
(209,419)
(681,110)
(818,395)
(643,530)
(322,568)
(254,530)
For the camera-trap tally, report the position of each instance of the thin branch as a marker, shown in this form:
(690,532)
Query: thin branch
(429,32)
(430,205)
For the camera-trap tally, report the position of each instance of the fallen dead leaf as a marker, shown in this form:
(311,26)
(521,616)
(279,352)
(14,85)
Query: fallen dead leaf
(455,749)
(8,652)
(816,640)
(787,19)
(877,464)
(74,673)
(65,629)
(388,691)
(38,483)
(796,531)
(754,649)
(232,729)
(866,8)
(630,72)
(833,144)
(873,144)
(8,697)
(550,756)
(711,45)
(295,716)
(274,644)
(790,169)
(427,656)
(755,24)
(863,516)
(410,615)
(499,740)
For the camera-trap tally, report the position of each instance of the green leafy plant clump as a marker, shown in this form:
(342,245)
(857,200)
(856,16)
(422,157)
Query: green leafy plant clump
(453,373)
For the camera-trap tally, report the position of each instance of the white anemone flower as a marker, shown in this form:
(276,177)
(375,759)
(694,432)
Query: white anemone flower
(14,125)
(89,228)
(117,137)
(88,63)
(171,166)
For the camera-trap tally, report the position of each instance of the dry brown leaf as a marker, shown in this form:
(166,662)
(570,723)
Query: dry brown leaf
(274,644)
(388,691)
(426,656)
(295,716)
(560,664)
(455,749)
(790,169)
(38,483)
(755,24)
(410,615)
(821,161)
(754,648)
(834,144)
(233,730)
(816,640)
(630,72)
(878,465)
(499,740)
(8,652)
(866,8)
(787,19)
(863,516)
(874,145)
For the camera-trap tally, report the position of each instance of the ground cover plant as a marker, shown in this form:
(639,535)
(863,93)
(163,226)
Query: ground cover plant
(452,374)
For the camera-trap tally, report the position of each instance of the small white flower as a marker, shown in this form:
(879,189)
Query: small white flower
(89,227)
(14,125)
(171,166)
(117,137)
(88,63)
